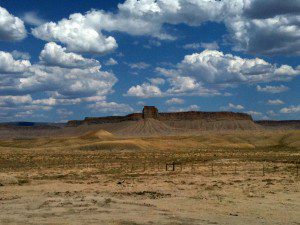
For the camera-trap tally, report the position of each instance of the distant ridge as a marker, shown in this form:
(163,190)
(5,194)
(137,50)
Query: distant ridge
(151,112)
(30,124)
(148,123)
(280,123)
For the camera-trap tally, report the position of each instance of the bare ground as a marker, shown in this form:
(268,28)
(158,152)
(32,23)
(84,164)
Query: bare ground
(104,181)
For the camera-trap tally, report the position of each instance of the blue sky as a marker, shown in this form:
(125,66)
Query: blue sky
(62,60)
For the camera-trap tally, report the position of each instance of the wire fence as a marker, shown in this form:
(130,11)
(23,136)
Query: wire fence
(206,169)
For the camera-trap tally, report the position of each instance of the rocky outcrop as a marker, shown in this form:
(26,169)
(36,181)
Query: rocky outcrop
(151,112)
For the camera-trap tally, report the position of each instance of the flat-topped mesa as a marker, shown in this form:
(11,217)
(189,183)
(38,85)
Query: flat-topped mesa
(151,112)
(196,115)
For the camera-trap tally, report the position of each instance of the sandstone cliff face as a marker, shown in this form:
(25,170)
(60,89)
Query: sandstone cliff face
(151,112)
(193,115)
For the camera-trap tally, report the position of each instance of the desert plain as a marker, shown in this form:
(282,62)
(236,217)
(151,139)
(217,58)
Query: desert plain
(92,176)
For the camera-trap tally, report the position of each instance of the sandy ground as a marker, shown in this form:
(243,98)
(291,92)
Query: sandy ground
(149,197)
(233,178)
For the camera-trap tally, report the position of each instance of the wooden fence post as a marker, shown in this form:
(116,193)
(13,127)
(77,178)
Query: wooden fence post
(263,169)
(212,169)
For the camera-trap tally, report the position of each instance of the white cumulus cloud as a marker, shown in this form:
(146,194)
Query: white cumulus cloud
(80,33)
(144,90)
(174,101)
(55,55)
(291,109)
(9,65)
(11,28)
(211,66)
(250,30)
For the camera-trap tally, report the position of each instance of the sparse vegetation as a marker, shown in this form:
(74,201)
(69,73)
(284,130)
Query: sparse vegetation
(89,177)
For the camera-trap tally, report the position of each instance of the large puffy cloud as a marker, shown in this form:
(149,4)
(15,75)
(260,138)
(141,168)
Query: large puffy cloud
(85,81)
(67,82)
(269,36)
(274,32)
(11,28)
(208,72)
(267,27)
(58,84)
(153,14)
(81,33)
(215,67)
(181,11)
(9,65)
(55,55)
